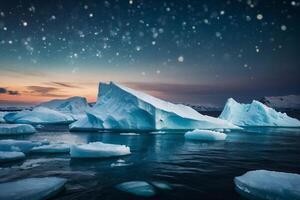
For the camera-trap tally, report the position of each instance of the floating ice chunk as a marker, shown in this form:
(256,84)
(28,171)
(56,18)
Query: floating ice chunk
(205,135)
(271,185)
(139,188)
(52,148)
(98,150)
(158,132)
(32,188)
(161,185)
(129,134)
(256,114)
(120,163)
(119,107)
(7,156)
(39,126)
(39,115)
(17,145)
(16,129)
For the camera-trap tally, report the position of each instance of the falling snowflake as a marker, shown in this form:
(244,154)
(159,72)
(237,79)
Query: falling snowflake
(180,59)
(259,16)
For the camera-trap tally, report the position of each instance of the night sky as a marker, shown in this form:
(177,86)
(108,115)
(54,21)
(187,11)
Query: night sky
(189,51)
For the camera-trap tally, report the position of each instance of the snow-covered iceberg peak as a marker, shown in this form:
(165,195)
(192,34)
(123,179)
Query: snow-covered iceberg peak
(255,114)
(119,107)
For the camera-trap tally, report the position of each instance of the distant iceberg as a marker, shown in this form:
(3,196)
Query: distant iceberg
(119,107)
(52,112)
(98,150)
(205,135)
(271,185)
(255,114)
(32,188)
(16,129)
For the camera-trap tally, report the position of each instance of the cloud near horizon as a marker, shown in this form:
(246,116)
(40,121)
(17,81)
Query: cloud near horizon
(9,92)
(44,91)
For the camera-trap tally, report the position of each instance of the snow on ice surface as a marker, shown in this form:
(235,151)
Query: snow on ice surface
(130,134)
(271,185)
(98,150)
(32,188)
(283,102)
(52,148)
(138,188)
(119,107)
(16,129)
(255,114)
(205,135)
(17,145)
(6,156)
(39,115)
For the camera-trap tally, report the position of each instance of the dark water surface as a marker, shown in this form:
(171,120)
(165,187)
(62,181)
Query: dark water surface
(195,170)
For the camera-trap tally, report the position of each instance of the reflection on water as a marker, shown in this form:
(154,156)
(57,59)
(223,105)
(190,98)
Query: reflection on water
(195,170)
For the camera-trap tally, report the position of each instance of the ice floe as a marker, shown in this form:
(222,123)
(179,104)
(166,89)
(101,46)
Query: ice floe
(269,185)
(7,156)
(52,148)
(205,135)
(16,129)
(138,188)
(32,188)
(98,150)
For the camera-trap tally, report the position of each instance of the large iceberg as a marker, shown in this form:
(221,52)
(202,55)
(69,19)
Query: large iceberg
(98,150)
(51,112)
(119,107)
(205,135)
(32,188)
(271,185)
(255,114)
(16,129)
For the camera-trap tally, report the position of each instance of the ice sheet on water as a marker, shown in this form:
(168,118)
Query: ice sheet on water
(139,188)
(271,185)
(52,148)
(7,156)
(17,145)
(98,150)
(32,188)
(16,129)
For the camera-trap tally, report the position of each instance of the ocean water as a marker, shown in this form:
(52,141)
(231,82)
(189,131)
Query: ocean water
(194,169)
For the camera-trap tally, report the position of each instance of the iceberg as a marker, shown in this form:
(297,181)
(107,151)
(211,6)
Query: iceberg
(16,129)
(138,188)
(17,145)
(119,107)
(271,185)
(255,114)
(74,106)
(205,135)
(52,148)
(52,112)
(32,188)
(8,156)
(98,150)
